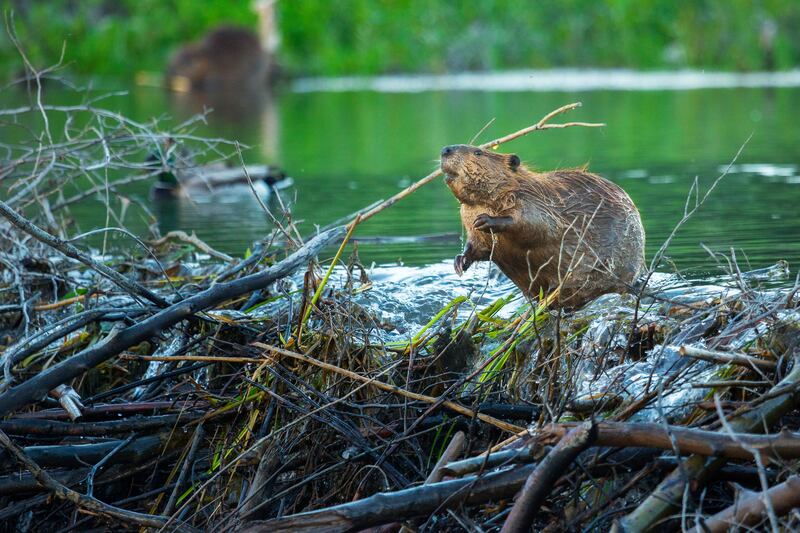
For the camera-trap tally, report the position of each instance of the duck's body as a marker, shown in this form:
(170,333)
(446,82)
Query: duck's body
(217,179)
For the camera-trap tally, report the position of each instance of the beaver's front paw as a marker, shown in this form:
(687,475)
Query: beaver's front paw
(461,263)
(487,223)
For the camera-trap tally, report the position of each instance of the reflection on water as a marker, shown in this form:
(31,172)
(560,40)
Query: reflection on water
(252,110)
(346,150)
(233,217)
(561,80)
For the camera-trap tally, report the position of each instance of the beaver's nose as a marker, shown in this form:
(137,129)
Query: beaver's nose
(447,150)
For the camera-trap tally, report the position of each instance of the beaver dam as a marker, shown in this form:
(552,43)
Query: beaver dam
(176,387)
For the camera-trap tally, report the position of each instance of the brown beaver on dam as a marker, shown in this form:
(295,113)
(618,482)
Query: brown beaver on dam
(567,229)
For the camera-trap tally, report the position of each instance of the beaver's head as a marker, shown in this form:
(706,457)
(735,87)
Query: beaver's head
(188,69)
(474,174)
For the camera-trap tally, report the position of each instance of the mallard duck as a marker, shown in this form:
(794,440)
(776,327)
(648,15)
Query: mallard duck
(211,179)
(173,182)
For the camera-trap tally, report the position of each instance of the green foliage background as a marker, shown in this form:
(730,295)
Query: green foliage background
(122,37)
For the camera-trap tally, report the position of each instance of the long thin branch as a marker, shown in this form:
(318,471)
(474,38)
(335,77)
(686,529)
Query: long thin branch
(727,358)
(383,508)
(785,445)
(194,241)
(460,409)
(541,125)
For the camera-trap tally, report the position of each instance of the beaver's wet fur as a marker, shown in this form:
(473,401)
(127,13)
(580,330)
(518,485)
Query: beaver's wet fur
(566,228)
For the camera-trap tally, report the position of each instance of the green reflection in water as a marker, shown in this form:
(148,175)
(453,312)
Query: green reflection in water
(347,150)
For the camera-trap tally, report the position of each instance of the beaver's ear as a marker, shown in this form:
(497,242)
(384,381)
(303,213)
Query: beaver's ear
(513,161)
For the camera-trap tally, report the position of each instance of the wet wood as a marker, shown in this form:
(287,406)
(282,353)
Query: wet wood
(85,502)
(396,506)
(697,469)
(547,472)
(751,510)
(785,444)
(120,339)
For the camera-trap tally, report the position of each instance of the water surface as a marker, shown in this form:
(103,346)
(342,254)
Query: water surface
(348,149)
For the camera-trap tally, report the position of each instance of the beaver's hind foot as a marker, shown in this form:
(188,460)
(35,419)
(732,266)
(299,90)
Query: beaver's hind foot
(470,254)
(461,263)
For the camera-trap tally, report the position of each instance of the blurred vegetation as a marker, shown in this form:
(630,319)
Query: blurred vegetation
(112,37)
(370,36)
(121,37)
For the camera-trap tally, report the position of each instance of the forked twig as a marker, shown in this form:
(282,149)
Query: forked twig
(541,125)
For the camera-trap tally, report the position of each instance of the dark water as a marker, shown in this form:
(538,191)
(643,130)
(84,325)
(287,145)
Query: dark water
(347,150)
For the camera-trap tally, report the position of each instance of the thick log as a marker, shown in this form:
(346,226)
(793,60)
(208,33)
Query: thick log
(65,493)
(783,445)
(116,410)
(784,497)
(79,455)
(387,507)
(16,484)
(52,428)
(117,341)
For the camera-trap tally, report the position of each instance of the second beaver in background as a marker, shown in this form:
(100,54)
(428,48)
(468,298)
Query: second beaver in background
(567,228)
(228,59)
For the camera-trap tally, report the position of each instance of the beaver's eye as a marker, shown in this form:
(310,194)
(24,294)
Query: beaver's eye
(477,152)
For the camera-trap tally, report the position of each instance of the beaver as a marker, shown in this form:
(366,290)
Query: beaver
(228,59)
(567,229)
